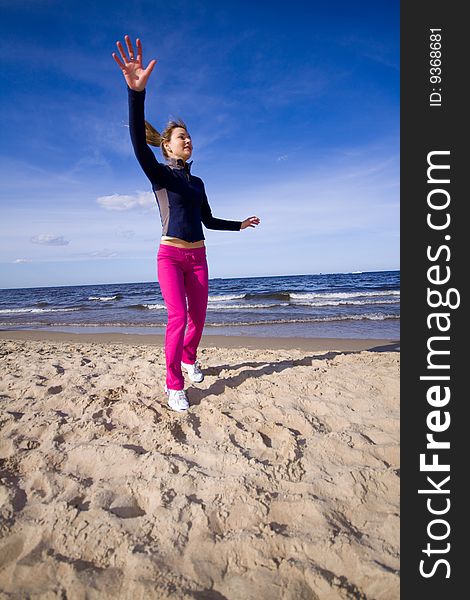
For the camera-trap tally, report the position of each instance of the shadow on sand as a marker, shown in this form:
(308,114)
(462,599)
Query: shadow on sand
(260,369)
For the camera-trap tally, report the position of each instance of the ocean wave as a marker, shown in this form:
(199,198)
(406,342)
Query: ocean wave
(315,303)
(68,324)
(117,324)
(19,311)
(225,297)
(288,296)
(244,306)
(366,317)
(307,299)
(147,306)
(106,298)
(285,296)
(312,295)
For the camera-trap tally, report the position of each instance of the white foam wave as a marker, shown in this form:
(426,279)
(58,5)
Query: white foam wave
(244,306)
(366,317)
(102,298)
(313,295)
(154,306)
(10,311)
(344,302)
(226,297)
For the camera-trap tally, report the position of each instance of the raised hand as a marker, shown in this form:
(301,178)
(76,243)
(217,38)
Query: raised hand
(250,222)
(131,66)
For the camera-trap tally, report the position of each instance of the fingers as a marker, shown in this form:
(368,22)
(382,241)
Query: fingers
(122,53)
(250,222)
(124,60)
(120,65)
(151,64)
(130,48)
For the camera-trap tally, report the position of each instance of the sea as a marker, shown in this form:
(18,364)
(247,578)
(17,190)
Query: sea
(364,305)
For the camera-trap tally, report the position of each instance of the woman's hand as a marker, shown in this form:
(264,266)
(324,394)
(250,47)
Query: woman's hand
(135,75)
(250,222)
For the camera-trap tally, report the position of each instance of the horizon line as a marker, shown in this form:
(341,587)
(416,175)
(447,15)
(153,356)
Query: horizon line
(210,279)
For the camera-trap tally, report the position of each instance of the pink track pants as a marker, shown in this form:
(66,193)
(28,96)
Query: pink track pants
(184,281)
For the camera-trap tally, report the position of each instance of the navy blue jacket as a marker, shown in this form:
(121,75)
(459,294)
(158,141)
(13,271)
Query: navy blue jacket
(181,196)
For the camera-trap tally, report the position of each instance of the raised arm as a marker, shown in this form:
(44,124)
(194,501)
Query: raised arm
(136,78)
(154,170)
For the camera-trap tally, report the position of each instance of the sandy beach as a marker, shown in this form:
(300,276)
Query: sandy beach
(280,482)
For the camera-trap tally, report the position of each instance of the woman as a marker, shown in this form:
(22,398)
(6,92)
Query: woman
(181,198)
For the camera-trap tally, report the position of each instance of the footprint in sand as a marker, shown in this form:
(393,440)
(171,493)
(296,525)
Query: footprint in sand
(13,495)
(136,449)
(55,389)
(126,507)
(11,550)
(274,444)
(16,415)
(79,503)
(103,418)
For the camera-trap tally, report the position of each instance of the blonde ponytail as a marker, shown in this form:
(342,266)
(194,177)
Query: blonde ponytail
(154,138)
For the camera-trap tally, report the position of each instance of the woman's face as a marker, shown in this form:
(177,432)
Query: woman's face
(180,144)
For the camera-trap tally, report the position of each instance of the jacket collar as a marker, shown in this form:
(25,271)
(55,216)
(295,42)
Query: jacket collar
(178,163)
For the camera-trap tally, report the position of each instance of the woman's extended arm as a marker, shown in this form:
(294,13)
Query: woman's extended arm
(136,78)
(154,170)
(212,222)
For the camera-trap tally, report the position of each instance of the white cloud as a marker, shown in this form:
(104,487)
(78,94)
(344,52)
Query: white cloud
(104,253)
(50,240)
(126,201)
(20,261)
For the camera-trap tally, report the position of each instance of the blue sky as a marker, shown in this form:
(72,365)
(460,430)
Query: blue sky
(293,108)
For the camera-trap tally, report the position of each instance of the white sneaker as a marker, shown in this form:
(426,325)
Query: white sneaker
(177,399)
(194,372)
